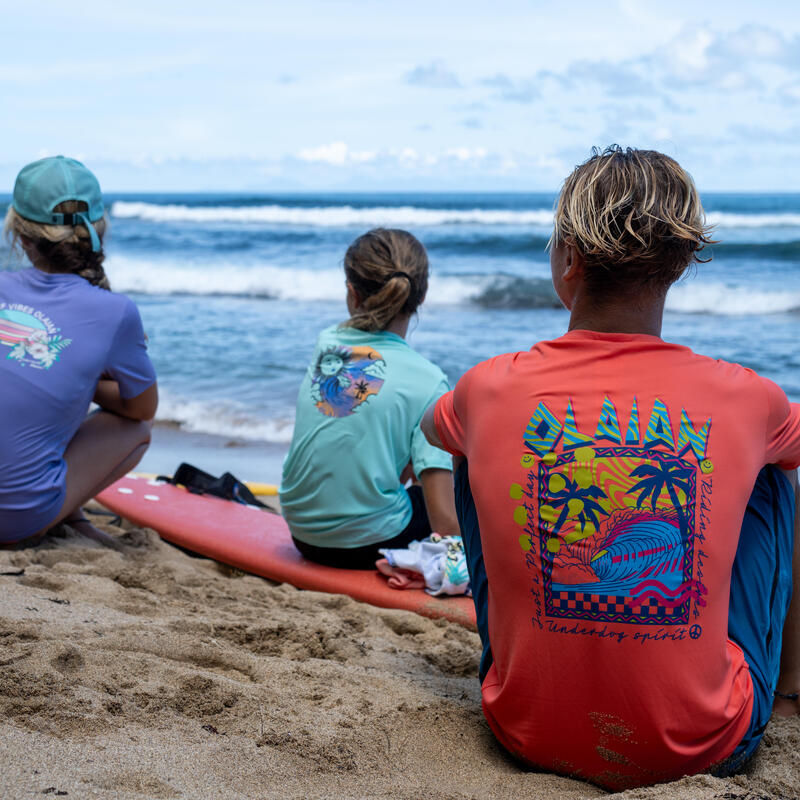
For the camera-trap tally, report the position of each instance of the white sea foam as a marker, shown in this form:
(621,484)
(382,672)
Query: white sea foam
(223,419)
(330,216)
(304,285)
(280,283)
(725,219)
(399,216)
(719,299)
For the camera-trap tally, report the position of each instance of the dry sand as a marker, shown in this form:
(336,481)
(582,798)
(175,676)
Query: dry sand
(153,674)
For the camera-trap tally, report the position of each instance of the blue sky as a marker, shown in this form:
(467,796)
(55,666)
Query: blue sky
(305,95)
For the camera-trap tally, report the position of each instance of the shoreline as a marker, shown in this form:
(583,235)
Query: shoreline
(248,460)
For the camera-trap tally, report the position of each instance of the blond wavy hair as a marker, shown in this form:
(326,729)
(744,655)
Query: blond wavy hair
(388,268)
(65,248)
(636,218)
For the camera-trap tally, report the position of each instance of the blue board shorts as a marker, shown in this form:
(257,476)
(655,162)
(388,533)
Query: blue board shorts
(761,587)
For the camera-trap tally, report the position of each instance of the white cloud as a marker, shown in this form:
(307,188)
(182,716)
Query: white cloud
(756,42)
(335,153)
(551,163)
(497,81)
(433,76)
(406,159)
(790,93)
(744,60)
(687,53)
(730,61)
(466,153)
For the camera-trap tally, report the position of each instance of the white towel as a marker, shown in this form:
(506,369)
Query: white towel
(439,559)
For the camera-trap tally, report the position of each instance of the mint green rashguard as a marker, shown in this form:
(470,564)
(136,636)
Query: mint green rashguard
(356,429)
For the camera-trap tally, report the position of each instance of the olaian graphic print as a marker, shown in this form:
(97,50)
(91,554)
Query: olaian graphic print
(345,377)
(32,337)
(615,516)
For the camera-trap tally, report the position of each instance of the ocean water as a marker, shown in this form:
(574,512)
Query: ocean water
(234,289)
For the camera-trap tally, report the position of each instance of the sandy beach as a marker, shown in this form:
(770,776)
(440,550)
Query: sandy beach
(149,673)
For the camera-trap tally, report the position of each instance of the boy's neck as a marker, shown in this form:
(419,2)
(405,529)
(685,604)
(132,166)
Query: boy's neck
(624,315)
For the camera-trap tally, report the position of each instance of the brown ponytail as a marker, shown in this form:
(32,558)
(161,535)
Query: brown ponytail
(63,248)
(388,269)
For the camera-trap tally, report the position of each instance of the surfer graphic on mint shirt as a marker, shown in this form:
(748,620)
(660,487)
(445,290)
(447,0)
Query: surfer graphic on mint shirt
(345,377)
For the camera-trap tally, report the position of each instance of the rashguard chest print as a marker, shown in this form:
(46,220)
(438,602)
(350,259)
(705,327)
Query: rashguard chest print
(344,377)
(33,338)
(613,524)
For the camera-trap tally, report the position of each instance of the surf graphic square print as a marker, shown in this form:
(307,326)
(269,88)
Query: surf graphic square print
(616,529)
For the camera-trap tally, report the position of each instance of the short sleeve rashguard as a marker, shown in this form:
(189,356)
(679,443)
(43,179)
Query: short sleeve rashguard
(783,427)
(58,336)
(127,361)
(423,454)
(356,429)
(610,474)
(450,411)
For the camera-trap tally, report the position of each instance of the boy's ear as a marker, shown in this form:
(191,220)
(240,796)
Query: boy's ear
(574,264)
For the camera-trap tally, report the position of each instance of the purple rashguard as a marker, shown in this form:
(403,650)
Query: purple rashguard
(58,336)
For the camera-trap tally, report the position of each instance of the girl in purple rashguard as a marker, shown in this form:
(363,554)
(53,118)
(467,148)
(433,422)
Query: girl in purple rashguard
(65,340)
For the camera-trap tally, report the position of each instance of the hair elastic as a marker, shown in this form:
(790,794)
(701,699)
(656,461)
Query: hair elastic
(400,275)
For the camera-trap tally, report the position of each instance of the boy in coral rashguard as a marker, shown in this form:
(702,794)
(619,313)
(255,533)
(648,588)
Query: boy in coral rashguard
(630,597)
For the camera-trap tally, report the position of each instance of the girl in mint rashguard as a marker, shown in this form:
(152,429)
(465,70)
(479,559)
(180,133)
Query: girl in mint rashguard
(357,422)
(65,340)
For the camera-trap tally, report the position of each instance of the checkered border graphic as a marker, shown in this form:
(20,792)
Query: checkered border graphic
(614,608)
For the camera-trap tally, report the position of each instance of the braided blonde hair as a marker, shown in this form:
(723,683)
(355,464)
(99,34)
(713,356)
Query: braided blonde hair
(388,269)
(65,248)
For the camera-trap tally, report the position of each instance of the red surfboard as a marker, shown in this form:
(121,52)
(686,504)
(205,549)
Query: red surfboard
(259,542)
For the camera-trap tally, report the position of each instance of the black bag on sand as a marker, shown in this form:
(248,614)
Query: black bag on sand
(227,486)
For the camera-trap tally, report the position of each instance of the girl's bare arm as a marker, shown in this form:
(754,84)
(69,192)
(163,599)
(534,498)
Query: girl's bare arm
(437,489)
(141,407)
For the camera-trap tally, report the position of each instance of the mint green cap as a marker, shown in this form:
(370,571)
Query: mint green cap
(43,184)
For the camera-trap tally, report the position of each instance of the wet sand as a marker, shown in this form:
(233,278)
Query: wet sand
(153,674)
(247,459)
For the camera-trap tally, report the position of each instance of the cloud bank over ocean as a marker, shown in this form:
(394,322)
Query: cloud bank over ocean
(242,100)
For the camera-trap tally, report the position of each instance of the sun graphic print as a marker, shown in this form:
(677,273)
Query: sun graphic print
(345,377)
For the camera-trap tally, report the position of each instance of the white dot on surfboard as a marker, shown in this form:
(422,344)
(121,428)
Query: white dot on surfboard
(151,497)
(155,483)
(131,477)
(125,490)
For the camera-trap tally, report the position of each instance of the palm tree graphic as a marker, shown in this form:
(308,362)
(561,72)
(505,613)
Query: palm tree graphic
(568,499)
(663,476)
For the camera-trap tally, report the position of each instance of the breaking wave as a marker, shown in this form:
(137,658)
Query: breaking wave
(223,418)
(344,216)
(330,216)
(497,291)
(722,300)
